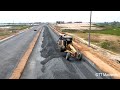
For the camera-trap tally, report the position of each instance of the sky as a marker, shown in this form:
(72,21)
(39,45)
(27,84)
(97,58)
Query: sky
(53,16)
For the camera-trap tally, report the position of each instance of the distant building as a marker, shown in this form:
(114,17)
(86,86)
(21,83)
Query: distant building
(59,22)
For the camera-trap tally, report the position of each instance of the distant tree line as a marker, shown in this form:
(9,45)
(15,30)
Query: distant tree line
(113,24)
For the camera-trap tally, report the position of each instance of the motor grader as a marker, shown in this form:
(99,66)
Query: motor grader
(65,45)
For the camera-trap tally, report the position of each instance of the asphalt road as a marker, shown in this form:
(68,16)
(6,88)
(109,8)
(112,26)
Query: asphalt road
(46,62)
(13,49)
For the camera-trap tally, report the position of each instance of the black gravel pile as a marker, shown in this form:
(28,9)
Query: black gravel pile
(55,66)
(50,48)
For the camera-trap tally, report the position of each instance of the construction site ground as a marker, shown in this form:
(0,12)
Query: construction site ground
(47,62)
(99,54)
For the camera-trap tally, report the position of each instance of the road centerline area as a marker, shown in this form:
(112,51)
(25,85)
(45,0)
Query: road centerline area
(33,66)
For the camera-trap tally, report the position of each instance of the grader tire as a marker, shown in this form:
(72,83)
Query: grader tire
(68,56)
(80,56)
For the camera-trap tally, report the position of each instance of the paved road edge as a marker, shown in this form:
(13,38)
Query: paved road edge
(20,67)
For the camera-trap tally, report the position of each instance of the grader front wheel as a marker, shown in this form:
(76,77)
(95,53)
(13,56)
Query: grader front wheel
(68,55)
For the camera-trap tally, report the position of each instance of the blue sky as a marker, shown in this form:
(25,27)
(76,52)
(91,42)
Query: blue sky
(52,16)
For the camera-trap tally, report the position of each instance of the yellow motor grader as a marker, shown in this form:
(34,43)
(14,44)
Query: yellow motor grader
(65,45)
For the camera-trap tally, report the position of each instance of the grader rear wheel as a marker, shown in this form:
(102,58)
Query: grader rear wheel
(79,57)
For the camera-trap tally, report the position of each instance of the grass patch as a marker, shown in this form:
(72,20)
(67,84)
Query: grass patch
(70,30)
(10,31)
(105,45)
(110,46)
(113,31)
(3,33)
(110,31)
(19,27)
(108,28)
(95,39)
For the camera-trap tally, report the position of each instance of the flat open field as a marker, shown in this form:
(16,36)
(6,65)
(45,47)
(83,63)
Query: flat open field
(8,31)
(107,37)
(78,26)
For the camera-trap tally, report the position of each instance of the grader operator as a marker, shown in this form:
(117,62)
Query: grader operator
(65,45)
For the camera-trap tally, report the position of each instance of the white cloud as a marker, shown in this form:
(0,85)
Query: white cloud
(52,16)
(106,16)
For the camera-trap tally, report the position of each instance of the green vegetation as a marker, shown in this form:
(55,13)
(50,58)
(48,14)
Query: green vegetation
(14,29)
(105,44)
(111,29)
(96,35)
(110,45)
(70,31)
(4,33)
(115,31)
(20,27)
